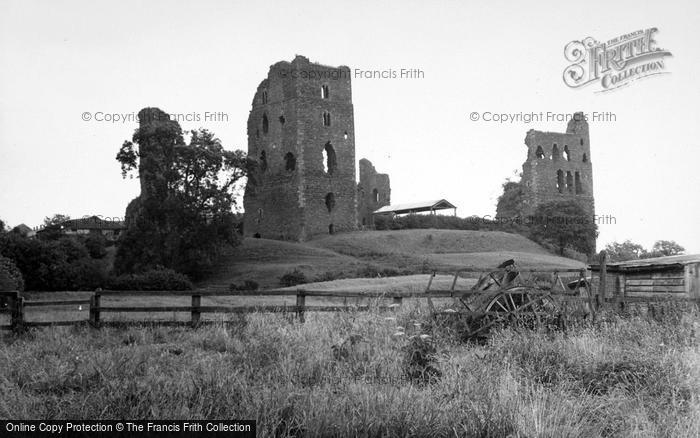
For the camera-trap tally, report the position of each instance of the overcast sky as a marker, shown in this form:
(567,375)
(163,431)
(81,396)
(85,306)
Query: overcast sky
(60,59)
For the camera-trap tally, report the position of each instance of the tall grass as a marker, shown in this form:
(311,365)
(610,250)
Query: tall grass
(350,374)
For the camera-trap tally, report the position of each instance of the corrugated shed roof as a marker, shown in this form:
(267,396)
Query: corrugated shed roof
(668,261)
(438,204)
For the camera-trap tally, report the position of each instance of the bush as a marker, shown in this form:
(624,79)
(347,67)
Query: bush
(247,285)
(155,279)
(293,278)
(96,245)
(10,277)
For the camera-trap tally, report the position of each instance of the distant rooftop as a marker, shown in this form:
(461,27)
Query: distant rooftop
(417,207)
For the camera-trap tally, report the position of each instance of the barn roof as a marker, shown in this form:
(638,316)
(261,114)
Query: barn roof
(416,207)
(668,262)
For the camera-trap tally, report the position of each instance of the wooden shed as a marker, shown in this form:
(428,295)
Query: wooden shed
(670,277)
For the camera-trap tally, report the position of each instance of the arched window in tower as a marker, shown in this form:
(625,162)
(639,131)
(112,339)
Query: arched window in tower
(326,119)
(330,202)
(567,156)
(539,153)
(324,92)
(569,182)
(555,152)
(375,195)
(265,124)
(560,181)
(290,162)
(264,97)
(577,181)
(330,164)
(263,161)
(345,135)
(581,142)
(585,158)
(282,120)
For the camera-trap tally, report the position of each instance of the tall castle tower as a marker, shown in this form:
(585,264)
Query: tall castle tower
(301,133)
(558,167)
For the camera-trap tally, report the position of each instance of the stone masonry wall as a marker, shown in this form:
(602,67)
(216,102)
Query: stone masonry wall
(559,167)
(374,192)
(303,109)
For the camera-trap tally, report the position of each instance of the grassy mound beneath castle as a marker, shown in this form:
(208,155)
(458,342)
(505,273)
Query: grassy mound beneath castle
(374,254)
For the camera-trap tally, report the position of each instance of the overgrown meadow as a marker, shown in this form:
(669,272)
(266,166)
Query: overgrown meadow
(370,374)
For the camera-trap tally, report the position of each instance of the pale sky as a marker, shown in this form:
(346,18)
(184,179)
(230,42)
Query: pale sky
(60,59)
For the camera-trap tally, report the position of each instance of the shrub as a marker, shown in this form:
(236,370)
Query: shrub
(247,285)
(10,277)
(155,279)
(293,278)
(96,245)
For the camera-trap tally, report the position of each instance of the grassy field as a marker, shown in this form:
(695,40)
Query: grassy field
(630,376)
(359,254)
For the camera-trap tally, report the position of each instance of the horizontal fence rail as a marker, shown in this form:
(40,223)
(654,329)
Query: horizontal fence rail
(533,281)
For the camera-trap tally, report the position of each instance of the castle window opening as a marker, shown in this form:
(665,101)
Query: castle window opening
(581,141)
(577,180)
(257,133)
(290,162)
(330,202)
(585,158)
(264,97)
(263,161)
(345,135)
(265,124)
(329,160)
(282,120)
(560,181)
(567,156)
(330,229)
(555,152)
(324,92)
(375,195)
(569,182)
(326,119)
(539,153)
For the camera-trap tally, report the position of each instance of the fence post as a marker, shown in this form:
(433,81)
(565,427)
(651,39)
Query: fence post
(602,284)
(16,305)
(397,300)
(301,302)
(95,310)
(196,302)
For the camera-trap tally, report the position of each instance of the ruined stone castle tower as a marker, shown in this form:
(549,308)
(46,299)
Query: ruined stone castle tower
(301,133)
(374,192)
(558,167)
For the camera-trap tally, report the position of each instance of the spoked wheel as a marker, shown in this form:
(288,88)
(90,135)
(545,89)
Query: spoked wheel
(519,305)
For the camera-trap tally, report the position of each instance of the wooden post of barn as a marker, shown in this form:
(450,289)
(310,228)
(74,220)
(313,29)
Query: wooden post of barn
(603,284)
(196,313)
(301,302)
(95,310)
(619,304)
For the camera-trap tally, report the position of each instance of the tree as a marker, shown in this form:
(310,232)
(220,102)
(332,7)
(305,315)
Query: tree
(183,217)
(666,248)
(56,219)
(52,226)
(512,201)
(627,250)
(564,224)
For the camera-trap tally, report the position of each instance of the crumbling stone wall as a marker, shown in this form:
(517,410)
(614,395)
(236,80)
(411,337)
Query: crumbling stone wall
(301,132)
(374,192)
(559,167)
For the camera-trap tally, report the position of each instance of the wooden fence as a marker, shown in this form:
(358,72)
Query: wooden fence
(15,304)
